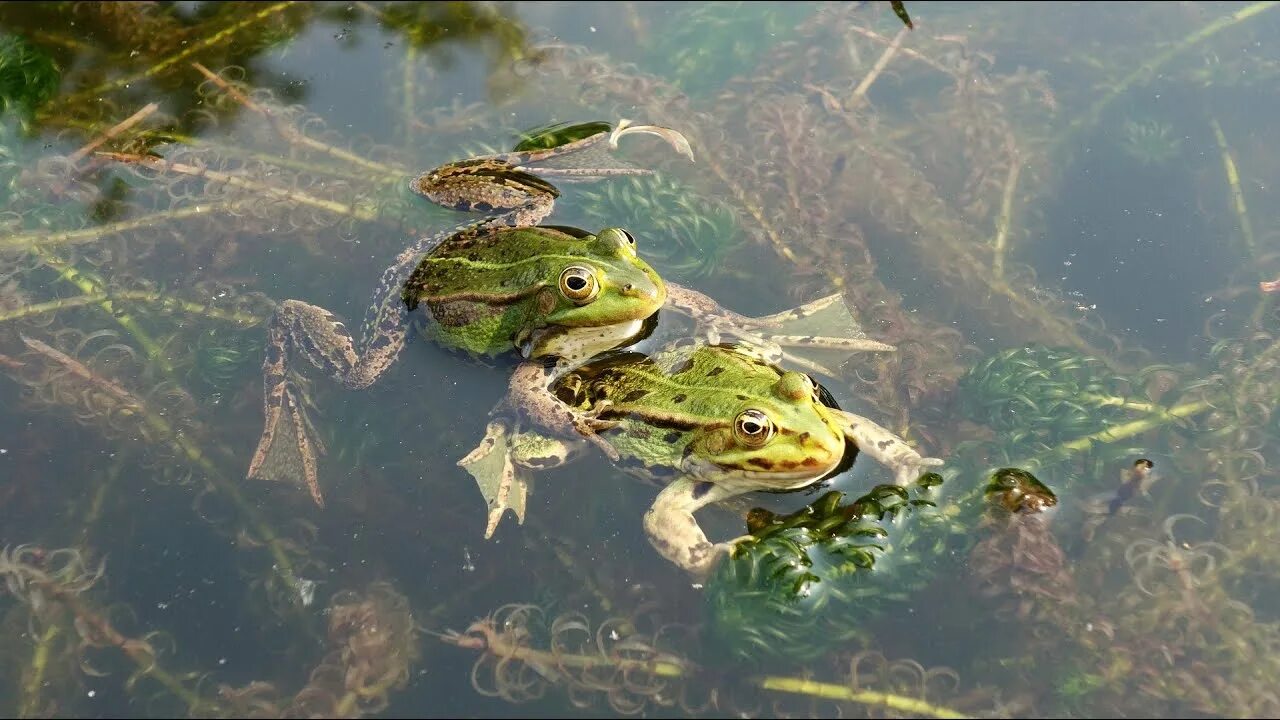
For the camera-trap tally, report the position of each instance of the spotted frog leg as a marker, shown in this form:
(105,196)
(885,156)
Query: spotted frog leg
(885,448)
(502,462)
(504,183)
(821,326)
(499,463)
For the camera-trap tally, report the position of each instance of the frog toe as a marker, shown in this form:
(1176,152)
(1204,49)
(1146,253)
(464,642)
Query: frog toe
(500,481)
(910,472)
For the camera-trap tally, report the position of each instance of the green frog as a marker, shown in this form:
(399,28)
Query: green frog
(506,284)
(709,421)
(503,284)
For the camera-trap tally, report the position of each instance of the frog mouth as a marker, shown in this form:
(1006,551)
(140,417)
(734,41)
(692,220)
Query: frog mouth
(768,474)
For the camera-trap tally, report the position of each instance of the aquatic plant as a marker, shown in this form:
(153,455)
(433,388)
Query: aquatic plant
(374,643)
(901,167)
(51,584)
(811,581)
(685,236)
(1150,142)
(28,77)
(522,654)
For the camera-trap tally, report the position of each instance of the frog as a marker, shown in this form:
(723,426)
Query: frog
(592,292)
(576,282)
(706,421)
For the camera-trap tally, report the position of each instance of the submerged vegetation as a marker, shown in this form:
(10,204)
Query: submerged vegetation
(1104,536)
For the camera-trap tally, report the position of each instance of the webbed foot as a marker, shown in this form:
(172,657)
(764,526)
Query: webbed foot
(491,464)
(813,336)
(296,448)
(886,448)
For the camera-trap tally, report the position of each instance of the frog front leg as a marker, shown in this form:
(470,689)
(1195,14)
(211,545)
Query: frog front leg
(885,448)
(500,465)
(529,395)
(674,532)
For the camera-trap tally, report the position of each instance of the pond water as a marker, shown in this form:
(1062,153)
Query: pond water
(1061,215)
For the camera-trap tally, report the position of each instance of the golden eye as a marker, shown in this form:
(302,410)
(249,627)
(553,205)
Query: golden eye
(579,284)
(752,428)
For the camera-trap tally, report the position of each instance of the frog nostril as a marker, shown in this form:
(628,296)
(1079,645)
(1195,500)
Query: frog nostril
(628,287)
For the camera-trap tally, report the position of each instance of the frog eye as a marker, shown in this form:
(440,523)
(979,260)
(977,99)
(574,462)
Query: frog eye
(631,239)
(579,284)
(752,428)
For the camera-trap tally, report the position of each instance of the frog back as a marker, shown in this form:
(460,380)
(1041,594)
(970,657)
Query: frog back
(486,290)
(711,411)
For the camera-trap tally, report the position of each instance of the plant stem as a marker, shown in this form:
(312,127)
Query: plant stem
(113,131)
(832,691)
(33,241)
(30,705)
(492,641)
(289,132)
(861,91)
(90,286)
(253,186)
(905,51)
(138,652)
(1237,193)
(408,108)
(1122,432)
(162,303)
(1150,67)
(185,53)
(1006,213)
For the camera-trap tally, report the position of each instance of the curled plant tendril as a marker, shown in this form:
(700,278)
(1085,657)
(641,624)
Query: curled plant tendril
(629,669)
(1188,564)
(374,643)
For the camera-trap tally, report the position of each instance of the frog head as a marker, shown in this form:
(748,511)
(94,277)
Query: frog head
(780,439)
(601,299)
(603,283)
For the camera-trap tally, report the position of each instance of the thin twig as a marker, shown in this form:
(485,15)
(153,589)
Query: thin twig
(37,240)
(162,303)
(915,54)
(860,92)
(78,369)
(113,131)
(162,165)
(1006,212)
(287,131)
(186,52)
(1151,67)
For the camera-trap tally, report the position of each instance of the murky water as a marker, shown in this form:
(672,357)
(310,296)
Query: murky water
(1060,214)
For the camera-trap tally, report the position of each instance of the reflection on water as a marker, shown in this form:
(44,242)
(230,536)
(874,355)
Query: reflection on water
(1059,214)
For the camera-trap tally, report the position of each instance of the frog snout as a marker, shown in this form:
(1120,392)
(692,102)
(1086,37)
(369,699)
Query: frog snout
(646,291)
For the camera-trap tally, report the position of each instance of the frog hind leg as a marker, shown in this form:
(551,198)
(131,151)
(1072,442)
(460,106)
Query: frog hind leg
(674,532)
(321,337)
(812,335)
(501,466)
(885,448)
(282,461)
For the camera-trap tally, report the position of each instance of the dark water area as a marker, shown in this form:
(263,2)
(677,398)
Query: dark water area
(1061,215)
